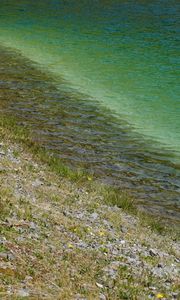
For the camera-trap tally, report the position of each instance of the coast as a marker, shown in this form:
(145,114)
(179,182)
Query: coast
(85,136)
(65,237)
(89,150)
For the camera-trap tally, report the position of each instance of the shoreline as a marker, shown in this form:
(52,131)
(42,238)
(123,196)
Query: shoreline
(64,237)
(18,91)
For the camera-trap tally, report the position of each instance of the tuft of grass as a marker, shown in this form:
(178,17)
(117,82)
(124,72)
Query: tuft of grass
(23,135)
(155,223)
(114,197)
(5,202)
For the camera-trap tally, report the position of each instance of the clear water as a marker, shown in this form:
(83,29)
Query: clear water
(123,53)
(111,103)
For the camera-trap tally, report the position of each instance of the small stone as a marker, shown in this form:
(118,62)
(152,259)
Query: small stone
(10,256)
(153,288)
(23,293)
(123,229)
(28,278)
(99,285)
(175,295)
(3,255)
(122,242)
(2,241)
(94,216)
(37,183)
(102,297)
(33,226)
(152,252)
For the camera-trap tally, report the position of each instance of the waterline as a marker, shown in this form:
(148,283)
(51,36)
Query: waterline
(83,135)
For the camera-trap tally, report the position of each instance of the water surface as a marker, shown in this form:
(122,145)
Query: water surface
(123,53)
(86,136)
(111,103)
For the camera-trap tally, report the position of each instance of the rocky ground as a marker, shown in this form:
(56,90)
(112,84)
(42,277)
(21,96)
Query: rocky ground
(58,240)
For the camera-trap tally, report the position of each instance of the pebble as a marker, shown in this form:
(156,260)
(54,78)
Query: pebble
(122,242)
(94,216)
(8,256)
(120,252)
(33,226)
(23,293)
(3,255)
(37,183)
(102,297)
(153,252)
(123,229)
(99,285)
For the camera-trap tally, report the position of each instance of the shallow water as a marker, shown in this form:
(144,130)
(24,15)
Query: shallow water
(84,134)
(111,103)
(122,53)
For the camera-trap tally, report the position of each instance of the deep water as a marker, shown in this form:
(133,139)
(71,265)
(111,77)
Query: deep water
(113,105)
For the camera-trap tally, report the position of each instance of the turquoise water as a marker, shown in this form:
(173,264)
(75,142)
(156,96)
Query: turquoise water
(98,83)
(123,53)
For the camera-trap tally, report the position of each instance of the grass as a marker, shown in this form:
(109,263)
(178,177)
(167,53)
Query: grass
(23,135)
(111,195)
(121,199)
(47,258)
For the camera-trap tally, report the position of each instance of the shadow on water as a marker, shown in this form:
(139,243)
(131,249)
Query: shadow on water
(84,134)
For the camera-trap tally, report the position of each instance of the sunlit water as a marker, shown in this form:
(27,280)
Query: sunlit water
(114,103)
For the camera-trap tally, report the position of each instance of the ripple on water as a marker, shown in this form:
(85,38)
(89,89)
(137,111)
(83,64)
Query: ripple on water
(86,135)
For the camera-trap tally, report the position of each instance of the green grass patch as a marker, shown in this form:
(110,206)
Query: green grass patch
(115,197)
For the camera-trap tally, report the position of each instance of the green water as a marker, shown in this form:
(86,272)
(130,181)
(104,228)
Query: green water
(122,53)
(97,81)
